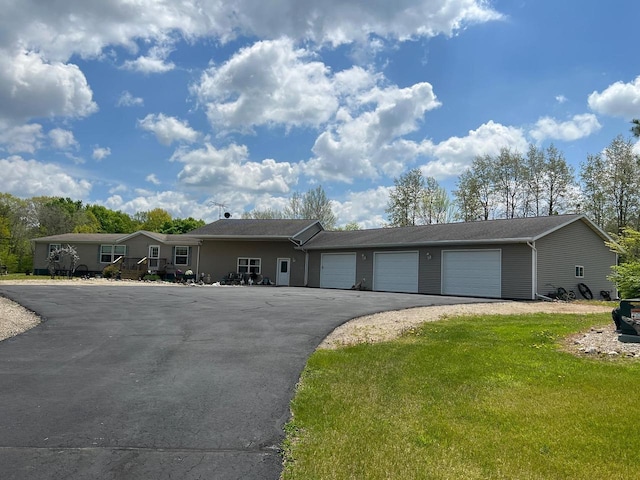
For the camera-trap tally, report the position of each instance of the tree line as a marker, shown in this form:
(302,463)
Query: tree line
(538,182)
(24,219)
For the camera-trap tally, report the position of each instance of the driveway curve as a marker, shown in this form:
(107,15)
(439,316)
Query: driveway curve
(137,382)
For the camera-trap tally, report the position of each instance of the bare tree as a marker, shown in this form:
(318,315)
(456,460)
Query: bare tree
(557,180)
(611,186)
(405,199)
(509,181)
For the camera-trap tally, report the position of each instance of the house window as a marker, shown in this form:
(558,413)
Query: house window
(249,265)
(53,247)
(181,256)
(110,253)
(579,271)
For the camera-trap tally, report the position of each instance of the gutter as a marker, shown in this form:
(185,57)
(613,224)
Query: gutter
(437,243)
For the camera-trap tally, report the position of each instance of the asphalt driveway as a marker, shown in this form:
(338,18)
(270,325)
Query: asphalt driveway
(162,382)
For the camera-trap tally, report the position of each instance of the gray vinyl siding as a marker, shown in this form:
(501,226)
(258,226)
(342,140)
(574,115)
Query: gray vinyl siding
(218,258)
(575,244)
(516,268)
(89,254)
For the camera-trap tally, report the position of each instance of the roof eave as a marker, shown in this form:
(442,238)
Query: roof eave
(243,237)
(421,244)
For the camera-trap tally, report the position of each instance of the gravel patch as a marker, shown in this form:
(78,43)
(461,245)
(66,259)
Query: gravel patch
(15,319)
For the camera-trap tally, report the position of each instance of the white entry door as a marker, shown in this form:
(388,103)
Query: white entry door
(154,257)
(282,277)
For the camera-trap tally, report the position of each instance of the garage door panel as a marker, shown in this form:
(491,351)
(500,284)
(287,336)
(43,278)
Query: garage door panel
(472,273)
(338,270)
(395,272)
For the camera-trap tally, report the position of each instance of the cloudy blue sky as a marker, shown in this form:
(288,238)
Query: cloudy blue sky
(183,105)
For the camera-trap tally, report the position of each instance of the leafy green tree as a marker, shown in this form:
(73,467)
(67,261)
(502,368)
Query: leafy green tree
(153,220)
(181,225)
(626,275)
(20,220)
(111,221)
(635,129)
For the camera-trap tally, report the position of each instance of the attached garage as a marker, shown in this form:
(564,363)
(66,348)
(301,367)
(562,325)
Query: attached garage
(474,273)
(395,272)
(338,270)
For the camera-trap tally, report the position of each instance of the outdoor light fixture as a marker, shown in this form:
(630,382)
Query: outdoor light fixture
(428,256)
(364,257)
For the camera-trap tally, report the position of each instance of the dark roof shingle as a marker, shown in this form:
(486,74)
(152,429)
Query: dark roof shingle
(490,231)
(275,228)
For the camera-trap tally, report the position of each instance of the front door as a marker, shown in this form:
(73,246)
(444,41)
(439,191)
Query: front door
(282,278)
(154,257)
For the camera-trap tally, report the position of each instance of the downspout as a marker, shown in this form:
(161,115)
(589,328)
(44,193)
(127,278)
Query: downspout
(298,246)
(198,262)
(534,270)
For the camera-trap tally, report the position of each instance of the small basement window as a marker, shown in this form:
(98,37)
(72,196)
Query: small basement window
(249,265)
(579,271)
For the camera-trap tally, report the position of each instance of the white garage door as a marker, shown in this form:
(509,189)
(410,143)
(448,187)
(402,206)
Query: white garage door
(474,273)
(337,270)
(395,272)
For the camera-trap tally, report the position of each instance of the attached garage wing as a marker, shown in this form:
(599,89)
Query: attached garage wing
(474,273)
(338,270)
(395,272)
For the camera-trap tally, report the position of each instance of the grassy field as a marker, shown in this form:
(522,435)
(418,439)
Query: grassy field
(491,397)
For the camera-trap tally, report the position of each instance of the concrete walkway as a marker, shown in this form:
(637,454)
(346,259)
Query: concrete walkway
(142,382)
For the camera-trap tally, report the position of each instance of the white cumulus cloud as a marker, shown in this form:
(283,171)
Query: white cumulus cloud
(152,178)
(618,100)
(229,169)
(23,138)
(168,129)
(578,127)
(100,153)
(455,154)
(366,138)
(62,139)
(271,82)
(31,87)
(30,178)
(128,100)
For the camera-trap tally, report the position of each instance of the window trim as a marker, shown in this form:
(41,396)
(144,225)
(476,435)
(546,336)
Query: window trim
(176,255)
(579,271)
(112,254)
(255,267)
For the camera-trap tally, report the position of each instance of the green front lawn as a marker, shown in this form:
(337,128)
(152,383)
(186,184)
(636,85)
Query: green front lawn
(488,397)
